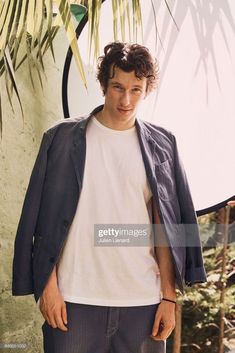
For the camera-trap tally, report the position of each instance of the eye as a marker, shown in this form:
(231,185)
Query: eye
(117,87)
(137,90)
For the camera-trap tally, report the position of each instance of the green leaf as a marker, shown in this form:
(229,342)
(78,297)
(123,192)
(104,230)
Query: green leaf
(10,72)
(29,25)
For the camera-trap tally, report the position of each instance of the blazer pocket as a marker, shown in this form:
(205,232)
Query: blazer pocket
(166,180)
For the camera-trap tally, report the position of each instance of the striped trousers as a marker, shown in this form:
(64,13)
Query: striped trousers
(103,329)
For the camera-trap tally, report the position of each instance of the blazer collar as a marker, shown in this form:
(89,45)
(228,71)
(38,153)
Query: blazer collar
(140,126)
(78,152)
(84,122)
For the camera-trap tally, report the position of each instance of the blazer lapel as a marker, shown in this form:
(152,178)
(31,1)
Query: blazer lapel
(147,147)
(78,150)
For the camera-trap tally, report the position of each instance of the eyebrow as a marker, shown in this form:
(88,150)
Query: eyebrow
(118,83)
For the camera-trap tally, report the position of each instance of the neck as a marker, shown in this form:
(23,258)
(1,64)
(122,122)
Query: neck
(104,118)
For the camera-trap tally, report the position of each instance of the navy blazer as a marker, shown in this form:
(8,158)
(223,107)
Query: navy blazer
(53,193)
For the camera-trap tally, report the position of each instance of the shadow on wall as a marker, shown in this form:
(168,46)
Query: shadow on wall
(206,16)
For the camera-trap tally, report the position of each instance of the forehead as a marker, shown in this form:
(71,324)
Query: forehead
(127,78)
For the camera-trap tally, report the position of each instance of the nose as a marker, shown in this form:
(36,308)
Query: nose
(125,99)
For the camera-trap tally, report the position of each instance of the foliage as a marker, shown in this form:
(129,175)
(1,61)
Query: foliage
(28,28)
(201,302)
(27,31)
(201,305)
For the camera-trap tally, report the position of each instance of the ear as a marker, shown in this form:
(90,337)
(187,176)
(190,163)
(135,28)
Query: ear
(103,90)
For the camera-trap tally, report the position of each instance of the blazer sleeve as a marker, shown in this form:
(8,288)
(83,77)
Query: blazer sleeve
(194,267)
(22,281)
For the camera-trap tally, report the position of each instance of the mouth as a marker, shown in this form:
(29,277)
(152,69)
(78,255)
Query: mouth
(124,111)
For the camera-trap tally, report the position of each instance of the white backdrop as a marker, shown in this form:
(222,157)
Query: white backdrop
(196,94)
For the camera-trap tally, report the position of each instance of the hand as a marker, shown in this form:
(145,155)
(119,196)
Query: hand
(164,322)
(53,307)
(231,203)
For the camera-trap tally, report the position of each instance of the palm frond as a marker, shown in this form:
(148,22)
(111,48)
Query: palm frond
(29,27)
(115,23)
(65,14)
(48,35)
(10,72)
(137,19)
(156,26)
(127,7)
(7,21)
(94,7)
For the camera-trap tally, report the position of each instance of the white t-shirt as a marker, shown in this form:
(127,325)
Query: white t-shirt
(115,191)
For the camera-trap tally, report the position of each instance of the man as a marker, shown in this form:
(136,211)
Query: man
(109,168)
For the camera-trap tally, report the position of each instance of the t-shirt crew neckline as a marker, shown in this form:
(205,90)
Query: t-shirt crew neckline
(113,131)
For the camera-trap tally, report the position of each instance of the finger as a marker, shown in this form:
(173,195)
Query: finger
(64,313)
(60,324)
(52,320)
(43,311)
(45,316)
(156,326)
(159,336)
(164,333)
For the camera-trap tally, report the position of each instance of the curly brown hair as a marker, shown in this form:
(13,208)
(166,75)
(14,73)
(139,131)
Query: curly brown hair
(127,57)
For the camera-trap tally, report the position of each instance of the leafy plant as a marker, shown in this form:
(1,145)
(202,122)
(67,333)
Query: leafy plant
(28,29)
(201,303)
(201,307)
